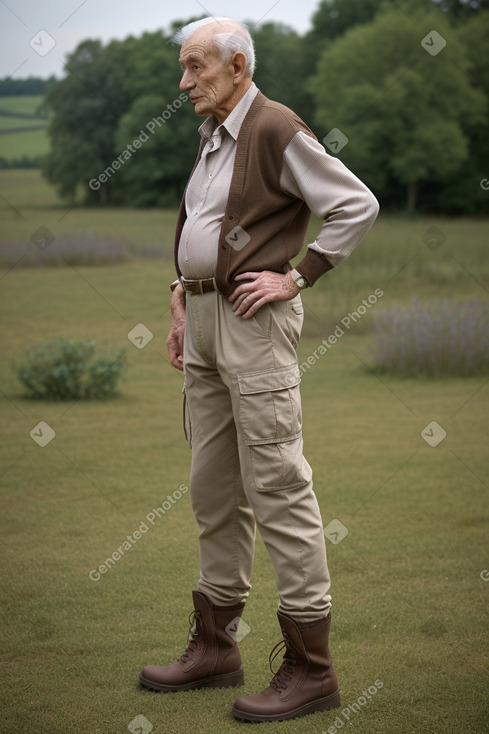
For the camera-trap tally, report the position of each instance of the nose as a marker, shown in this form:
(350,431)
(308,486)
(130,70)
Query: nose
(186,82)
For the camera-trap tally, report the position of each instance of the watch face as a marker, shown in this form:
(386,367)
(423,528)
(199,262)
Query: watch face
(300,282)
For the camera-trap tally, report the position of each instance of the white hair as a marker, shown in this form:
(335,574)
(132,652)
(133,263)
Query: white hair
(229,42)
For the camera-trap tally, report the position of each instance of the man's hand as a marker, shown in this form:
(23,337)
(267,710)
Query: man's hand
(174,341)
(265,286)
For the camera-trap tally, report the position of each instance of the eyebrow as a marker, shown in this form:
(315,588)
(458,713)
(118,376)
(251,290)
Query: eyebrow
(190,57)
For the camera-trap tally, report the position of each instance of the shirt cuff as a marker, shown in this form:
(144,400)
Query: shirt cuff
(313,265)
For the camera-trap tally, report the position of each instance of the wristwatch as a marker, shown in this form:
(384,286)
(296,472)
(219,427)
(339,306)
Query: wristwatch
(299,279)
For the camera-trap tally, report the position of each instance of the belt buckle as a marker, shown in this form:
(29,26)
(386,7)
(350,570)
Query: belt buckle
(206,280)
(198,284)
(188,285)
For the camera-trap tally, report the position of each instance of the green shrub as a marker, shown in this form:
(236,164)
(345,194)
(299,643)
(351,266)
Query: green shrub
(69,369)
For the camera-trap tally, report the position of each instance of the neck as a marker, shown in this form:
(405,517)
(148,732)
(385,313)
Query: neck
(231,103)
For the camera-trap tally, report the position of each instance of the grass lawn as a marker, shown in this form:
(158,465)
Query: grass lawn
(24,104)
(410,604)
(30,143)
(19,142)
(15,123)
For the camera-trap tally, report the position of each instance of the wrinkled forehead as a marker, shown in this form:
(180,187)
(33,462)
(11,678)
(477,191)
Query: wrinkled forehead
(201,44)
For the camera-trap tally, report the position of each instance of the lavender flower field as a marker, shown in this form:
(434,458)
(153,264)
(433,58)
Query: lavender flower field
(44,249)
(434,338)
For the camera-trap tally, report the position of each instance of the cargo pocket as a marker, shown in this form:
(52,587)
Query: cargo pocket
(187,426)
(271,421)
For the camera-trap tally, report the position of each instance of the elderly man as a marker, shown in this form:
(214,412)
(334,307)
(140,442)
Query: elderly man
(237,318)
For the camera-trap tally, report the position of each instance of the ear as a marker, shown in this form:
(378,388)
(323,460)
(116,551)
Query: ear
(239,63)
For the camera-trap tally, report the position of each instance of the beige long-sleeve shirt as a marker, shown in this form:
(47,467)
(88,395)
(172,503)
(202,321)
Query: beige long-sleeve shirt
(330,190)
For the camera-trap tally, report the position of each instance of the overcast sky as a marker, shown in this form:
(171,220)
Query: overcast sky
(35,36)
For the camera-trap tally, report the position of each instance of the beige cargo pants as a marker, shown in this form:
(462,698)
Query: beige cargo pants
(244,424)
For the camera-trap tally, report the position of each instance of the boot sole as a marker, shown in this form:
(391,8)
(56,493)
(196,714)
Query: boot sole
(226,680)
(321,704)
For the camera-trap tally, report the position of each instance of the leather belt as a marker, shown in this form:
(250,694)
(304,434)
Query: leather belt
(199,286)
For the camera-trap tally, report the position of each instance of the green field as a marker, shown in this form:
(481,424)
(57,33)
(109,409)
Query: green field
(8,124)
(27,104)
(410,599)
(17,116)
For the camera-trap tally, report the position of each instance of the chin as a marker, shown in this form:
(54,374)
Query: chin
(202,110)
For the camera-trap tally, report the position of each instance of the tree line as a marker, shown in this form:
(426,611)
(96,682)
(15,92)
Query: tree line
(20,87)
(405,82)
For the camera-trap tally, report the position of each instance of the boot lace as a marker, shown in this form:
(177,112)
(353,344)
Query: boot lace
(195,622)
(285,673)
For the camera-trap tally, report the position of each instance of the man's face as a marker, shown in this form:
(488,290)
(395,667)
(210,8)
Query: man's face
(208,81)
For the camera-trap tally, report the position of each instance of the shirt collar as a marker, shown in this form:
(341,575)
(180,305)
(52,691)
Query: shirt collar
(233,122)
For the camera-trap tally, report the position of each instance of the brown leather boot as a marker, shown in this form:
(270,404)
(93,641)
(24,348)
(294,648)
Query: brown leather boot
(212,658)
(304,683)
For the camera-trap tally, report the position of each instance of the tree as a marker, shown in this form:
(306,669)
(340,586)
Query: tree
(403,106)
(330,21)
(121,132)
(157,172)
(282,67)
(474,35)
(463,192)
(86,106)
(334,17)
(156,175)
(461,9)
(31,85)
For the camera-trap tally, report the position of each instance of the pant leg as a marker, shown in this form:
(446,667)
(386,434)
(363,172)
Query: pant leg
(226,521)
(258,362)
